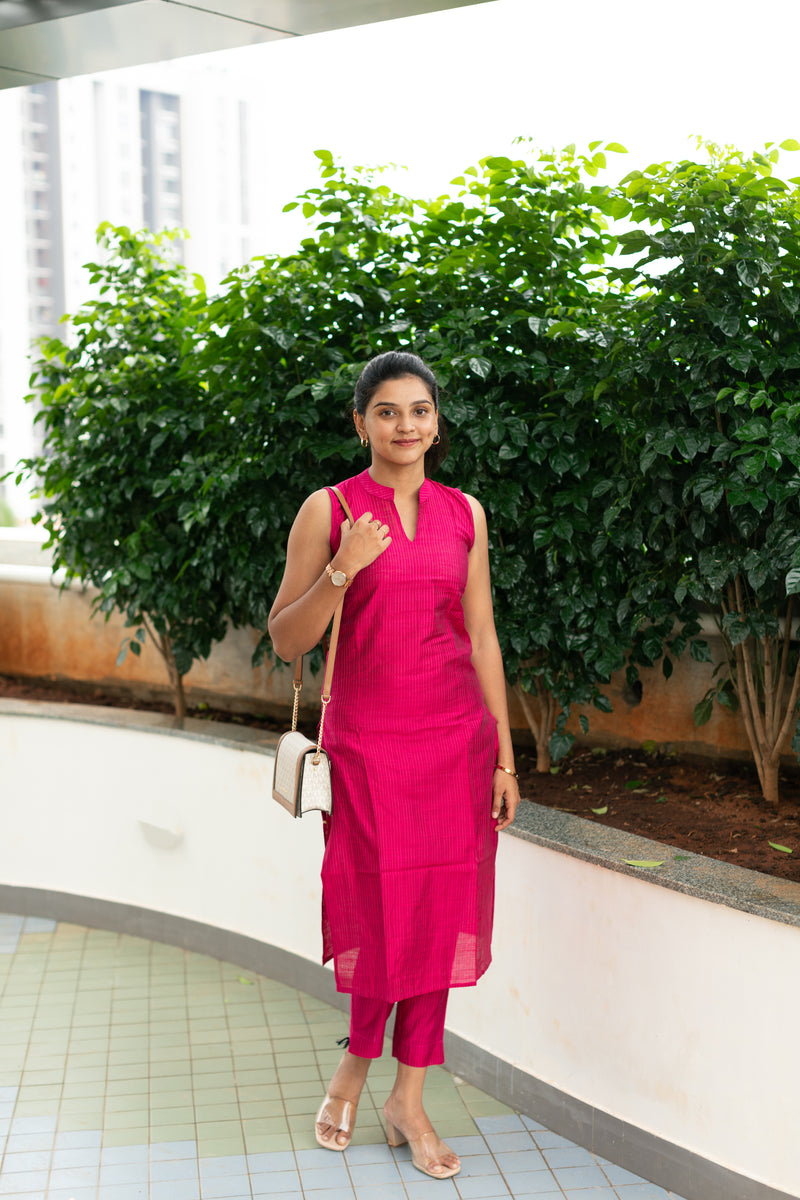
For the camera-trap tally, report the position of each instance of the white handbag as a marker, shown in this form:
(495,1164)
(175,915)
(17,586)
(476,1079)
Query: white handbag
(301,781)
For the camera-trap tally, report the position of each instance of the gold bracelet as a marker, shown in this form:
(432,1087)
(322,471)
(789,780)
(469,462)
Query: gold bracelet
(507,770)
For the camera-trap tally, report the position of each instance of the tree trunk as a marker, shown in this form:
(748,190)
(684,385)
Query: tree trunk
(767,695)
(175,679)
(541,726)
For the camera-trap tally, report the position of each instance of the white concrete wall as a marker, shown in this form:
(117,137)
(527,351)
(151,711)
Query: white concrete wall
(672,1013)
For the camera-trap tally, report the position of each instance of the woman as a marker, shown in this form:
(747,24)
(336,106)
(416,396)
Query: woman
(418,734)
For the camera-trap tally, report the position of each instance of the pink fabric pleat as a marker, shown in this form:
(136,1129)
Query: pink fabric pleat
(418,1038)
(408,869)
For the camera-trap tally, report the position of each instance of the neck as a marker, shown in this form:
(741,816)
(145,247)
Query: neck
(406,481)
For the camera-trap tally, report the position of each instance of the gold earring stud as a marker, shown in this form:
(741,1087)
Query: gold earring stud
(365,442)
(436,440)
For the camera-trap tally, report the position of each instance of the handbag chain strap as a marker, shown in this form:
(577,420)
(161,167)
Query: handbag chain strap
(297,682)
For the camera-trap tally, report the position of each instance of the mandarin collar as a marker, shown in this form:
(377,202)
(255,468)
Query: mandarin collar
(387,493)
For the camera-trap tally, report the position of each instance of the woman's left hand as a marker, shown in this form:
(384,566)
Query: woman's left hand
(505,798)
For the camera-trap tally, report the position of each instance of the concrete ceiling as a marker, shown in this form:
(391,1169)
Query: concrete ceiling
(54,39)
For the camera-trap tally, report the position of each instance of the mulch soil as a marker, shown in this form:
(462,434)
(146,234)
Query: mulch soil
(715,809)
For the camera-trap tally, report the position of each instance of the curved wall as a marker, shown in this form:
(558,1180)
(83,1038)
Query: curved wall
(643,1012)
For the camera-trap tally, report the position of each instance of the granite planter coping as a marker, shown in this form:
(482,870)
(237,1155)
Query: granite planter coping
(682,871)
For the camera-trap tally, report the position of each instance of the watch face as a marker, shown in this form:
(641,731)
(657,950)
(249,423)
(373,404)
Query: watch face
(338,578)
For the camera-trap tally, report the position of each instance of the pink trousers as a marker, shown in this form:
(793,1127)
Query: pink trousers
(418,1028)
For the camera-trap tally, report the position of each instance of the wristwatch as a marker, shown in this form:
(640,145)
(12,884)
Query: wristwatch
(337,578)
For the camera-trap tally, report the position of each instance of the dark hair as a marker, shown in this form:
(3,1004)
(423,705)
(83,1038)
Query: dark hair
(397,364)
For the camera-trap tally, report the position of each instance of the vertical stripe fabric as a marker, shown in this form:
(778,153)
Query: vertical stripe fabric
(408,869)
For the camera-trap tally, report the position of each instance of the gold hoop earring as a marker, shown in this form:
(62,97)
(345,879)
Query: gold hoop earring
(436,440)
(365,442)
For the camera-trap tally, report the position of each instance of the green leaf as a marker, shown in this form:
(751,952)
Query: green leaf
(634,784)
(600,812)
(560,744)
(647,864)
(793,581)
(790,144)
(700,651)
(480,366)
(242,979)
(783,849)
(325,157)
(703,711)
(617,148)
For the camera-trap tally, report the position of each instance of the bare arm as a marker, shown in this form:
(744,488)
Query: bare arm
(488,663)
(307,598)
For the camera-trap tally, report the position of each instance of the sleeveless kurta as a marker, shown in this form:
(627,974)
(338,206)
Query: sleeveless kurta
(408,868)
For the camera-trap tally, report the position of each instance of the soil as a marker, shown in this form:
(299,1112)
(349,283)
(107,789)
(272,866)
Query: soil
(711,809)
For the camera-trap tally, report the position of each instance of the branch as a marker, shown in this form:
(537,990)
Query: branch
(790,712)
(787,637)
(527,708)
(752,691)
(748,722)
(771,716)
(154,637)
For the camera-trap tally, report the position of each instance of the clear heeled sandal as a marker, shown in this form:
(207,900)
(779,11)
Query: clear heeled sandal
(341,1116)
(425,1150)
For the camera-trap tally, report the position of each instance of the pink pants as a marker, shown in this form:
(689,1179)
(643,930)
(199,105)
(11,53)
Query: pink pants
(418,1028)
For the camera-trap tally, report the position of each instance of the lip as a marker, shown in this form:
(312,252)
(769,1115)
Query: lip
(406,442)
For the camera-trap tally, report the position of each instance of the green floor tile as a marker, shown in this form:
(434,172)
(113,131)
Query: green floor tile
(167,1069)
(306,1087)
(220,1147)
(34,1108)
(265,1125)
(137,1070)
(261,1093)
(171,1100)
(162,1086)
(257,1143)
(214,1095)
(305,1140)
(207,1113)
(301,1104)
(76,1073)
(179,1050)
(125,1103)
(261,1108)
(78,1122)
(171,1133)
(93,1089)
(289,1074)
(124,1120)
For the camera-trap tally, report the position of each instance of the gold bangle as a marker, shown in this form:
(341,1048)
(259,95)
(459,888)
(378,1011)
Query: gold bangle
(507,770)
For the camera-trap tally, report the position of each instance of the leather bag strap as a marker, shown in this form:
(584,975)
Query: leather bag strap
(334,640)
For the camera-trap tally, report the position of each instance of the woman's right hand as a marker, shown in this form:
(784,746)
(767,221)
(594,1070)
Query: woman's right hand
(360,544)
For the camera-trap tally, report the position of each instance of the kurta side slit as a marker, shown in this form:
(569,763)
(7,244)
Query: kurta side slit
(408,868)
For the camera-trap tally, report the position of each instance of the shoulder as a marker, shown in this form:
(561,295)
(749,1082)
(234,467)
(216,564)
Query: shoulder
(470,517)
(318,504)
(476,508)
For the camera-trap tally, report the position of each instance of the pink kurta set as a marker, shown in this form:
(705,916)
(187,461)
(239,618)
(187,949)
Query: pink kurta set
(408,869)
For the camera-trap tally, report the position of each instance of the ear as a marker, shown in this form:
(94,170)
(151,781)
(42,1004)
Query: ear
(358,421)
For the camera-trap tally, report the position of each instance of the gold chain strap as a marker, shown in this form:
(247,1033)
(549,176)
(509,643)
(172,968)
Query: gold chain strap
(325,702)
(298,687)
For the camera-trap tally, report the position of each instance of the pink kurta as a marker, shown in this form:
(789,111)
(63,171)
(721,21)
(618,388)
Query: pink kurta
(408,870)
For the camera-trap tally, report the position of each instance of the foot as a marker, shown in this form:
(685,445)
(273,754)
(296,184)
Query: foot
(336,1118)
(429,1153)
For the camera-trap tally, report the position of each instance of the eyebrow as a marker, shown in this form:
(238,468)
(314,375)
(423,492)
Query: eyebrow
(392,404)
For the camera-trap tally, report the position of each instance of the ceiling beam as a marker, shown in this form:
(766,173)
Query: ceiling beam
(55,39)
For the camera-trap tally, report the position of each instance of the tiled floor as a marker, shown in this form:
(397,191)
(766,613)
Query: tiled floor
(132,1069)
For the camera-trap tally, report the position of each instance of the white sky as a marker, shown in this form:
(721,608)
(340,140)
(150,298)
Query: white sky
(438,92)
